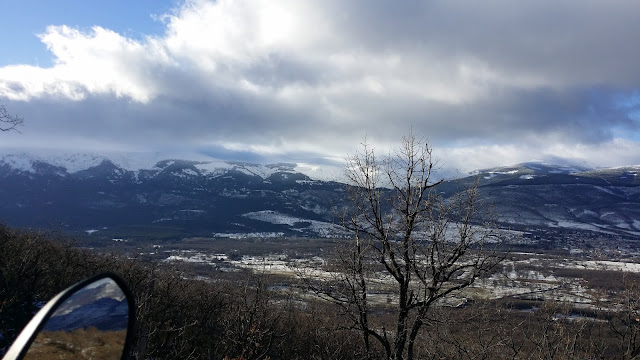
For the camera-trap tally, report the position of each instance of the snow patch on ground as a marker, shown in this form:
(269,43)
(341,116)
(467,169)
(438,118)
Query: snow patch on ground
(603,265)
(623,225)
(196,257)
(215,168)
(161,220)
(273,217)
(268,235)
(603,189)
(186,173)
(254,170)
(586,213)
(576,225)
(504,172)
(319,227)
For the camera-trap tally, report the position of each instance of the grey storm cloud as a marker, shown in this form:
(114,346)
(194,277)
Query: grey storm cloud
(315,78)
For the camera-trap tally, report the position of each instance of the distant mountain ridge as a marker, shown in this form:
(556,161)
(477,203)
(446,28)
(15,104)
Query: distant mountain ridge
(605,201)
(201,196)
(545,173)
(72,162)
(124,195)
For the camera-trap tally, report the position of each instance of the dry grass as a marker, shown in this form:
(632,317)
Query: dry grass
(79,344)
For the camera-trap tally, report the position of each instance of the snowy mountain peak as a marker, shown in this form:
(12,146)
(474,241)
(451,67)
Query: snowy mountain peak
(185,164)
(534,168)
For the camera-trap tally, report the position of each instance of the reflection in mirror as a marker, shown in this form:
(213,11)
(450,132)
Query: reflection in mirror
(90,324)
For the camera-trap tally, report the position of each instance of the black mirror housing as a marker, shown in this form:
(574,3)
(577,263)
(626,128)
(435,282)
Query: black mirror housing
(101,303)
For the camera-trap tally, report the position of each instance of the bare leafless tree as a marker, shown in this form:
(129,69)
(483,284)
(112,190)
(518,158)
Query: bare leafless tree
(625,320)
(406,235)
(8,121)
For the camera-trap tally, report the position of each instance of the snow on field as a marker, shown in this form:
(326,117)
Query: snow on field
(576,225)
(278,264)
(602,265)
(266,235)
(532,284)
(272,217)
(320,227)
(529,283)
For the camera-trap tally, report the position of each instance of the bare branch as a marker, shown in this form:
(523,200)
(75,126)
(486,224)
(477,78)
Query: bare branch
(408,236)
(9,122)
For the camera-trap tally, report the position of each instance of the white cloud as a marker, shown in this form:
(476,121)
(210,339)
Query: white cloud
(98,62)
(246,45)
(284,76)
(617,152)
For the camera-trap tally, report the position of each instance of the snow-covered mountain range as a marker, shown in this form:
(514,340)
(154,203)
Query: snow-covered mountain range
(200,195)
(129,194)
(73,162)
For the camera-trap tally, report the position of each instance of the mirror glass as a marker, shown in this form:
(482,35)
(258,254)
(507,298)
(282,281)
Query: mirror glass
(90,324)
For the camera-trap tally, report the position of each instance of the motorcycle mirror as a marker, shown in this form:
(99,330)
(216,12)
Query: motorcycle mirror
(90,319)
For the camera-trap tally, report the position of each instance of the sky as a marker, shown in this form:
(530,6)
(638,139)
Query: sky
(486,83)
